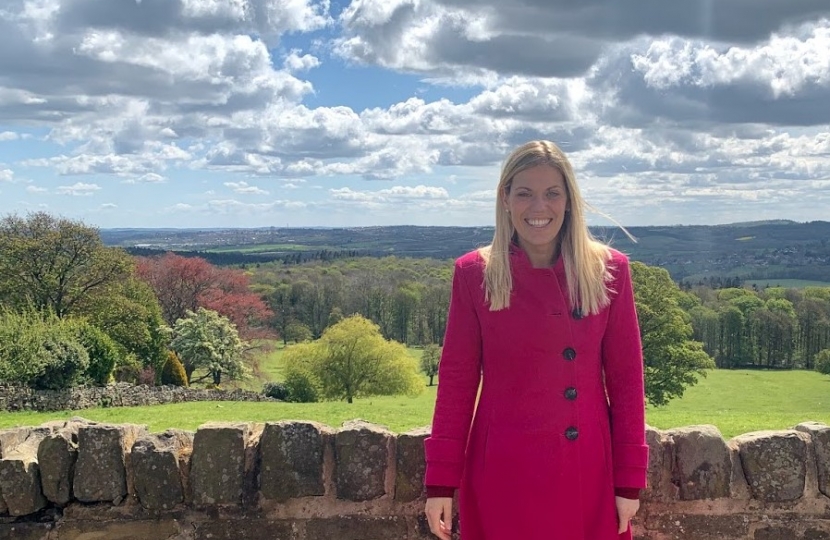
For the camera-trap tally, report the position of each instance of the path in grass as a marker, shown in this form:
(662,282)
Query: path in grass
(735,401)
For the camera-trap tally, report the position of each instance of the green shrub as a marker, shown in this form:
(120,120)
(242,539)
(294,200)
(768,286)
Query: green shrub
(66,361)
(823,362)
(102,351)
(40,351)
(21,338)
(128,369)
(301,388)
(173,371)
(275,390)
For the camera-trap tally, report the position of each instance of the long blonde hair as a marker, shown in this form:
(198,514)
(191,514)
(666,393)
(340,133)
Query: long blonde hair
(584,257)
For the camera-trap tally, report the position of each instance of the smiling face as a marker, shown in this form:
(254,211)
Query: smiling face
(537,200)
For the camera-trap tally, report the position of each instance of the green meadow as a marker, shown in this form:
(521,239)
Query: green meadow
(734,401)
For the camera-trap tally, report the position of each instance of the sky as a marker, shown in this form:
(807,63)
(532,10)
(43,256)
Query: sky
(254,113)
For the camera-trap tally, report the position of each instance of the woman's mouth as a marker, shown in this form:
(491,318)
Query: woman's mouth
(538,223)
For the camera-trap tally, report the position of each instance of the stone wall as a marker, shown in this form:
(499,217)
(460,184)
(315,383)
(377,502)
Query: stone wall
(16,398)
(80,480)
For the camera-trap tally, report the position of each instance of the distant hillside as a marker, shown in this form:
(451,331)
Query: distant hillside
(757,250)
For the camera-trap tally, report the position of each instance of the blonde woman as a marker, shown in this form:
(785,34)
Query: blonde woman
(543,321)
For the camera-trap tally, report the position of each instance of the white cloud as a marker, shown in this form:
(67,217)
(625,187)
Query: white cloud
(234,207)
(78,189)
(149,178)
(36,189)
(244,188)
(671,102)
(546,39)
(109,206)
(398,194)
(294,62)
(784,65)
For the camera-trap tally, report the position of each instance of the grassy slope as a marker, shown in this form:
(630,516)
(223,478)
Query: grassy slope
(735,401)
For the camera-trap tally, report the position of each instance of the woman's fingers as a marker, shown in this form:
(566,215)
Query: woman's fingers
(439,516)
(626,510)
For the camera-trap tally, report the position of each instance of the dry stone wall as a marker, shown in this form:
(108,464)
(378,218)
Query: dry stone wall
(16,398)
(293,480)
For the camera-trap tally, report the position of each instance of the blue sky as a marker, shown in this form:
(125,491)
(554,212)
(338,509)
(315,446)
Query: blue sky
(247,113)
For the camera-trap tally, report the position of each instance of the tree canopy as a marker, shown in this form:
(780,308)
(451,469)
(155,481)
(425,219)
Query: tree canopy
(352,359)
(673,361)
(185,284)
(54,263)
(206,340)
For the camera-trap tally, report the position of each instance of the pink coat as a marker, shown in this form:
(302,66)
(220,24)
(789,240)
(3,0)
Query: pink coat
(550,439)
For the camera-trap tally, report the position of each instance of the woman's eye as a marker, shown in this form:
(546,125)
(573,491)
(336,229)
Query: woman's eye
(553,194)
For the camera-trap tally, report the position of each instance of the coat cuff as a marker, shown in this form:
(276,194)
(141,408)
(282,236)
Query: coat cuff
(630,465)
(444,461)
(440,491)
(624,492)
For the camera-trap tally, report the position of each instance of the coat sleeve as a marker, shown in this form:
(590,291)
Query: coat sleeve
(459,375)
(622,356)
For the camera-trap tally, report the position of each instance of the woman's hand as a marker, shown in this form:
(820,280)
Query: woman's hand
(626,509)
(439,516)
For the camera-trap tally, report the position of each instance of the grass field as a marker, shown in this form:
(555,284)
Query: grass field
(734,401)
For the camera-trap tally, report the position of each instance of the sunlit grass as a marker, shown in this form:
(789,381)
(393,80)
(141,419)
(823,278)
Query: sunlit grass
(734,401)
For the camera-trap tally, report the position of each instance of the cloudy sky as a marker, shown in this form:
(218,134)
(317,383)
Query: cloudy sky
(242,113)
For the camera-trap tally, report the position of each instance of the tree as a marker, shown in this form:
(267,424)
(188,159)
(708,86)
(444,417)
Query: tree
(54,263)
(173,372)
(352,359)
(279,300)
(823,361)
(297,332)
(129,313)
(206,340)
(430,359)
(184,284)
(673,361)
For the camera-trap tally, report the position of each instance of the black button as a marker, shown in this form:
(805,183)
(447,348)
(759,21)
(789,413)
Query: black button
(571,433)
(570,393)
(577,313)
(569,353)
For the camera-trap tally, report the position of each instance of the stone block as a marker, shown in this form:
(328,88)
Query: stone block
(100,471)
(659,486)
(26,531)
(20,475)
(291,455)
(702,465)
(10,438)
(360,528)
(361,456)
(820,436)
(774,463)
(155,465)
(218,463)
(261,529)
(698,527)
(56,455)
(136,529)
(410,465)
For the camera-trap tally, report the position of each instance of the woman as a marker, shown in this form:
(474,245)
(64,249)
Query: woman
(542,328)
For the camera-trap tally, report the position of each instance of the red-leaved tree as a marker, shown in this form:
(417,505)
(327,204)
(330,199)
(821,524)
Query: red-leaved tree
(188,283)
